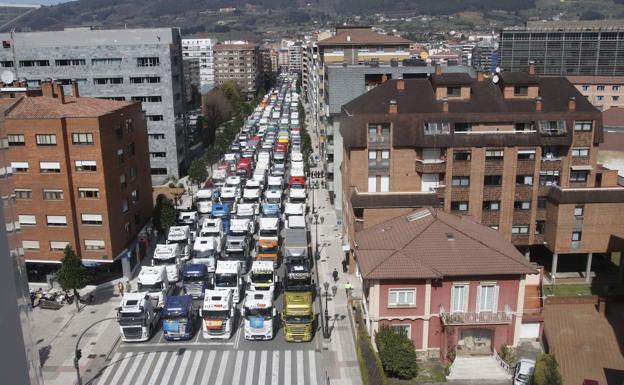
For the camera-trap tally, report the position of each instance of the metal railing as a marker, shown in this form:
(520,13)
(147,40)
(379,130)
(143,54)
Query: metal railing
(473,318)
(505,366)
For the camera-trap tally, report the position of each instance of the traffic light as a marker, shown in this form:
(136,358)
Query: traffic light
(78,354)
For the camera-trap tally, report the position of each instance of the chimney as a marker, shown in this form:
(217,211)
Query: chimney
(348,37)
(384,78)
(438,69)
(400,85)
(47,88)
(392,108)
(571,103)
(531,67)
(480,76)
(445,105)
(538,104)
(58,90)
(74,89)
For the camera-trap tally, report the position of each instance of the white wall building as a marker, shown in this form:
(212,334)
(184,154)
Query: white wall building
(201,49)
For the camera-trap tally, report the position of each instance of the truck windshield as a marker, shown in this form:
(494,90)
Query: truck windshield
(291,319)
(182,241)
(226,280)
(268,249)
(300,284)
(178,317)
(235,256)
(272,200)
(228,199)
(130,318)
(265,313)
(216,314)
(164,261)
(193,279)
(260,277)
(203,253)
(271,233)
(153,288)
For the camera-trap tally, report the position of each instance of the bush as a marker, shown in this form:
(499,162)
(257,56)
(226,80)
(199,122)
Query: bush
(546,371)
(370,366)
(397,353)
(508,354)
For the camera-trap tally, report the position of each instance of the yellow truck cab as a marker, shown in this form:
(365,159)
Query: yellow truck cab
(298,314)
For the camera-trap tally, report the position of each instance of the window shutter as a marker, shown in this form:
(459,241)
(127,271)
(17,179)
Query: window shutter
(478,305)
(495,303)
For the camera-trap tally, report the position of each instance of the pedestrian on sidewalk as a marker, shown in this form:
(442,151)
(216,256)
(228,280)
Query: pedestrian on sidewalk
(348,288)
(335,275)
(120,288)
(344,265)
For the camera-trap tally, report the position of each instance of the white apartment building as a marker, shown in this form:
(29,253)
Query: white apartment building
(201,49)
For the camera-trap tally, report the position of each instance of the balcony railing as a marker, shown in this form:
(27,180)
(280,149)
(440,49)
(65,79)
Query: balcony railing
(430,165)
(379,140)
(500,317)
(376,165)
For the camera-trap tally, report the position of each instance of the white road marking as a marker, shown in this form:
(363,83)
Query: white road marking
(169,344)
(208,370)
(133,368)
(195,367)
(300,368)
(109,369)
(222,367)
(287,368)
(251,361)
(146,367)
(155,375)
(180,372)
(238,367)
(275,371)
(122,366)
(312,363)
(262,369)
(169,369)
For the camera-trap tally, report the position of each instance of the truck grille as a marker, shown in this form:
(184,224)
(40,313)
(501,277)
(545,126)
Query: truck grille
(133,332)
(297,330)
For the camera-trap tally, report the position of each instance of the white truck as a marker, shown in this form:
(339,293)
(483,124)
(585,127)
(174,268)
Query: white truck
(188,218)
(153,281)
(230,196)
(248,211)
(206,250)
(233,181)
(252,195)
(273,196)
(218,178)
(137,317)
(276,183)
(169,256)
(218,314)
(295,222)
(182,236)
(259,315)
(297,195)
(228,277)
(204,201)
(296,209)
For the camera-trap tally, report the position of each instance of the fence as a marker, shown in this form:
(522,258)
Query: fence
(370,366)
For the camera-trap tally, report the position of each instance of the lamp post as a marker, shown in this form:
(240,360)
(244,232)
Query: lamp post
(78,352)
(317,254)
(326,333)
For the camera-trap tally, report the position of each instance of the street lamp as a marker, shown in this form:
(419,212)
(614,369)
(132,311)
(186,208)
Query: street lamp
(78,352)
(326,332)
(317,253)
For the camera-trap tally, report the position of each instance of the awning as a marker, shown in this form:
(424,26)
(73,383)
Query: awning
(582,168)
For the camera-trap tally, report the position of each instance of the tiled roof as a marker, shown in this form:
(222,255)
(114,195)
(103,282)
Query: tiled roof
(586,79)
(435,244)
(40,107)
(613,117)
(356,36)
(613,141)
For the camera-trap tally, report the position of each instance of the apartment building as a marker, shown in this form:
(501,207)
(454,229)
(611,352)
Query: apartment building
(565,48)
(142,65)
(484,56)
(201,50)
(79,170)
(238,61)
(517,152)
(603,92)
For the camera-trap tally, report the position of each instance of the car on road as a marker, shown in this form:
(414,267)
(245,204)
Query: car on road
(523,375)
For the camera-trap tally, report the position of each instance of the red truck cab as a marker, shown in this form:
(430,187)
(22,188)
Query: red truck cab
(297,182)
(243,168)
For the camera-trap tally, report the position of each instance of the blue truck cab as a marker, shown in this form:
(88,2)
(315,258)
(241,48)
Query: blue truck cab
(222,210)
(178,318)
(271,210)
(195,279)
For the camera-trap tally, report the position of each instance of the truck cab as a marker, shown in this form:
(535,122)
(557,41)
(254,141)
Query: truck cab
(293,209)
(294,245)
(243,168)
(298,314)
(206,250)
(267,247)
(296,181)
(271,210)
(228,276)
(188,218)
(273,196)
(259,315)
(276,182)
(169,256)
(237,249)
(295,222)
(218,314)
(203,198)
(262,277)
(195,279)
(297,195)
(137,317)
(178,318)
(181,235)
(153,281)
(233,181)
(248,211)
(218,178)
(229,196)
(221,211)
(252,195)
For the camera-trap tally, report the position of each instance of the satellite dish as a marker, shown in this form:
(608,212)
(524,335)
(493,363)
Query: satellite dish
(495,79)
(7,77)
(497,70)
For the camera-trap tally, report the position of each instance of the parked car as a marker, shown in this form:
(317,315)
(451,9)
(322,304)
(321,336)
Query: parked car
(523,375)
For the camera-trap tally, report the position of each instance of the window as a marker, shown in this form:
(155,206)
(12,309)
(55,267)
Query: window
(615,98)
(131,149)
(460,181)
(585,87)
(402,297)
(158,171)
(491,205)
(548,178)
(122,181)
(124,206)
(56,220)
(494,154)
(372,184)
(128,125)
(492,180)
(524,180)
(521,91)
(487,297)
(437,128)
(49,167)
(600,98)
(58,245)
(600,88)
(30,245)
(459,206)
(453,91)
(148,61)
(402,329)
(523,126)
(133,173)
(522,205)
(86,165)
(85,192)
(16,140)
(70,62)
(580,151)
(6,63)
(583,125)
(160,154)
(34,63)
(82,138)
(94,244)
(19,166)
(103,81)
(154,118)
(552,127)
(578,176)
(461,155)
(522,229)
(578,211)
(120,156)
(23,193)
(46,139)
(463,127)
(105,61)
(541,203)
(539,227)
(91,219)
(135,196)
(145,79)
(147,99)
(53,194)
(459,298)
(576,236)
(615,88)
(27,220)
(526,154)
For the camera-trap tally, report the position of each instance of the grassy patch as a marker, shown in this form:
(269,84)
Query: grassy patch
(616,258)
(568,290)
(428,371)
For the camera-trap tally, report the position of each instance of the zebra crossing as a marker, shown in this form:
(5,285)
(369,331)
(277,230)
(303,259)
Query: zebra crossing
(202,367)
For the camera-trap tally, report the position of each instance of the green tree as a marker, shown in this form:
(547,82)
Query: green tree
(72,275)
(212,156)
(197,172)
(164,214)
(547,371)
(397,353)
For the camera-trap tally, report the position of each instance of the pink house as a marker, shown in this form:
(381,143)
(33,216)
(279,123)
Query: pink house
(452,284)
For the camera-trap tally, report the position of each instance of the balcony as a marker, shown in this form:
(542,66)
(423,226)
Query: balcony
(379,141)
(431,166)
(500,317)
(378,165)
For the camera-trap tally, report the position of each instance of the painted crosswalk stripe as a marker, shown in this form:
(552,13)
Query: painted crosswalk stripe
(195,367)
(109,369)
(208,368)
(156,372)
(262,369)
(238,367)
(169,369)
(135,365)
(222,367)
(145,368)
(275,371)
(312,363)
(121,368)
(300,369)
(287,367)
(182,369)
(251,362)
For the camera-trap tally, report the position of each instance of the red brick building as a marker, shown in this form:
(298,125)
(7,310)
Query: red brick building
(451,283)
(81,173)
